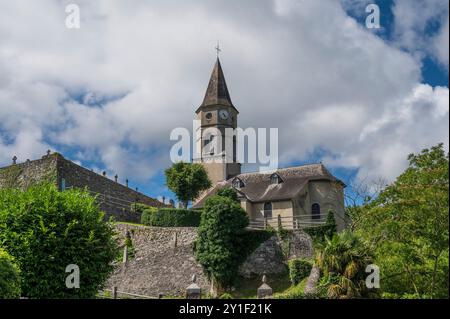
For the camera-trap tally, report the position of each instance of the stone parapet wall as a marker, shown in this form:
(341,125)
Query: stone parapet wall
(114,198)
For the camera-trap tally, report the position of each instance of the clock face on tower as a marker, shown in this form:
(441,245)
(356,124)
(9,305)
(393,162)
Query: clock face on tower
(224,114)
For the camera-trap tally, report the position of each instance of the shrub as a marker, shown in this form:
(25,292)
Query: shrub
(171,217)
(299,269)
(9,277)
(147,215)
(318,233)
(46,230)
(342,261)
(228,192)
(226,296)
(222,221)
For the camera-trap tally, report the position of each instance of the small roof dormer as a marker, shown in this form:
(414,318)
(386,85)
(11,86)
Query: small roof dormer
(238,183)
(275,179)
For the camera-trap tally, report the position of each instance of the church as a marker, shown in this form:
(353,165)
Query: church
(300,196)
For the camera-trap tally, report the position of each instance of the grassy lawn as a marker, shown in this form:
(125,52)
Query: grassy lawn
(246,288)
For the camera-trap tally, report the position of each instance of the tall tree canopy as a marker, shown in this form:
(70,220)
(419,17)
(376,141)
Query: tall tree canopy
(187,181)
(409,222)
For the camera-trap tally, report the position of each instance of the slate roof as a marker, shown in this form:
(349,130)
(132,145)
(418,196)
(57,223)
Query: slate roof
(258,187)
(217,91)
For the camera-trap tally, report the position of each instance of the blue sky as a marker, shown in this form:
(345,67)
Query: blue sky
(108,94)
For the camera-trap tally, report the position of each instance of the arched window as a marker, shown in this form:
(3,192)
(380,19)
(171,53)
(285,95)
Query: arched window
(315,211)
(275,179)
(268,210)
(237,183)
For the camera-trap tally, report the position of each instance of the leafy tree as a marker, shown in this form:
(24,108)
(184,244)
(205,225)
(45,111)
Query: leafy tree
(187,181)
(9,277)
(46,230)
(228,192)
(343,260)
(409,222)
(222,222)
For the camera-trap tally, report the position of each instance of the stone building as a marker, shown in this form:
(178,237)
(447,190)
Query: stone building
(114,198)
(296,196)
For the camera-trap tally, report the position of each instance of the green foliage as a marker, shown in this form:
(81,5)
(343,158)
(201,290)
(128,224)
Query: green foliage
(222,221)
(299,269)
(409,225)
(171,217)
(147,214)
(318,233)
(343,260)
(228,192)
(46,230)
(130,247)
(139,207)
(226,296)
(9,277)
(187,180)
(295,292)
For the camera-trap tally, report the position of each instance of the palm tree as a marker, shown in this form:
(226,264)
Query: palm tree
(343,260)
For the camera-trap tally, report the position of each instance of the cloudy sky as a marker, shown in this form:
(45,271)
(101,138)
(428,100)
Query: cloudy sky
(108,94)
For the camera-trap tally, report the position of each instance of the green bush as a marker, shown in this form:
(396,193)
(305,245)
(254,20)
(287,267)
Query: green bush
(171,217)
(228,192)
(223,220)
(147,215)
(9,277)
(318,233)
(46,230)
(226,296)
(299,269)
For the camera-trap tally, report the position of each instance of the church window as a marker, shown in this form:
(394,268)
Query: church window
(268,210)
(275,179)
(237,183)
(315,211)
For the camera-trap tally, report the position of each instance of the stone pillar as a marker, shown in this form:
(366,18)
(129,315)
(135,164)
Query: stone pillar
(264,291)
(193,291)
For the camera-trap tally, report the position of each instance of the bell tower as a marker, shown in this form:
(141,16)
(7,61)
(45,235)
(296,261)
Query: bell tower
(216,114)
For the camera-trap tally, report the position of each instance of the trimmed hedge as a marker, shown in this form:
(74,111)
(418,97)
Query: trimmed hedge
(299,269)
(171,217)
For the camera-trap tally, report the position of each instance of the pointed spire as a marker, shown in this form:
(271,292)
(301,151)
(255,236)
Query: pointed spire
(217,92)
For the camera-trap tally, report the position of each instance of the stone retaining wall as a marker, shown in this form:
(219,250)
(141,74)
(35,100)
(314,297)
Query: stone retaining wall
(161,267)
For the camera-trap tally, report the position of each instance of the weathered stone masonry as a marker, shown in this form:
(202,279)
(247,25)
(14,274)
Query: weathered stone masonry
(114,198)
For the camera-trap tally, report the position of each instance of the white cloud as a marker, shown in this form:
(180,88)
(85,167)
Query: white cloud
(302,66)
(412,21)
(441,44)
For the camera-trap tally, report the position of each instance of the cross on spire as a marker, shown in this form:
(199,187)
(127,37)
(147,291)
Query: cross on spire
(217,48)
